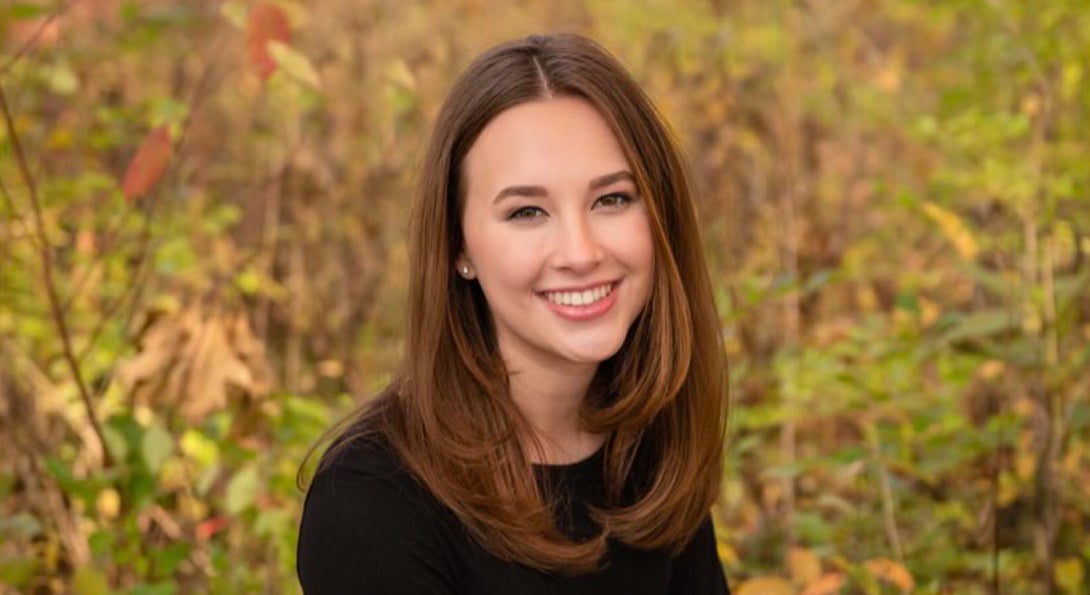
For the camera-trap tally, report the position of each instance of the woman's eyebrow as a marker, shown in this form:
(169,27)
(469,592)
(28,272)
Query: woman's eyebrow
(530,191)
(606,180)
(539,191)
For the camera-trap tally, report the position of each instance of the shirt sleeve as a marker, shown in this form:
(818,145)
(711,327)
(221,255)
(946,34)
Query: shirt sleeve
(366,534)
(697,570)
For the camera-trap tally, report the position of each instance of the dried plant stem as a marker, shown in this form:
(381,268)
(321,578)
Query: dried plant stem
(889,507)
(293,356)
(46,258)
(790,323)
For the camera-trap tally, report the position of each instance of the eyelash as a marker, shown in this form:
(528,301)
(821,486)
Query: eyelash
(625,198)
(534,212)
(518,213)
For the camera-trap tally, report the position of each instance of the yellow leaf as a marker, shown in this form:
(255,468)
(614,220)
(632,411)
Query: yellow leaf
(1031,104)
(108,503)
(727,554)
(866,298)
(235,13)
(929,311)
(200,448)
(294,64)
(191,509)
(827,584)
(89,581)
(1071,80)
(889,78)
(803,565)
(891,572)
(955,230)
(399,73)
(1025,464)
(990,369)
(1069,574)
(765,585)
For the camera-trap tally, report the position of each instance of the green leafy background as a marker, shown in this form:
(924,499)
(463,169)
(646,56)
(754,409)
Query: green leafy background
(895,207)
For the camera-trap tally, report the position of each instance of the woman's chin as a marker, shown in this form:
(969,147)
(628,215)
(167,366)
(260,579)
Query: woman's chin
(594,353)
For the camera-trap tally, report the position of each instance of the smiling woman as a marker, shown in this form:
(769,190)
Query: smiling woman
(564,261)
(558,421)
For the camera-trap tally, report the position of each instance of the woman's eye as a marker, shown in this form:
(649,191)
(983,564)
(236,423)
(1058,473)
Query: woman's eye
(614,200)
(525,213)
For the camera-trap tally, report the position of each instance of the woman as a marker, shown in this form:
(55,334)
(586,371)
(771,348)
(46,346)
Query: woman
(557,424)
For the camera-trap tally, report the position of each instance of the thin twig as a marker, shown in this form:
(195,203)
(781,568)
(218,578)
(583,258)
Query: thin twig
(15,215)
(50,286)
(888,505)
(789,306)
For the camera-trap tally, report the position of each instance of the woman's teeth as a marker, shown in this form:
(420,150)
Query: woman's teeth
(579,298)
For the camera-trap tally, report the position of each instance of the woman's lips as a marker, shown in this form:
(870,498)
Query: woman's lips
(584,311)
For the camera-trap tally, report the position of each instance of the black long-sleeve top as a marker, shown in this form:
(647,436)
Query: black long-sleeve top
(369,527)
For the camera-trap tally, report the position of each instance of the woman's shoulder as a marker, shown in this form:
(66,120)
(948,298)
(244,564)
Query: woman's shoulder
(362,455)
(367,521)
(367,471)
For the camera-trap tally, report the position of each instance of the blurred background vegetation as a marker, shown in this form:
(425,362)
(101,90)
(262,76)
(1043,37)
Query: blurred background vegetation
(203,266)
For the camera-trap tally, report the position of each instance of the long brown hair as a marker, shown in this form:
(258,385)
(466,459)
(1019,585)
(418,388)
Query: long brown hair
(661,398)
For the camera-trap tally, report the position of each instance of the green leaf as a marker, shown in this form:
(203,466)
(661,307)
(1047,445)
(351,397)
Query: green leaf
(89,581)
(1070,289)
(115,441)
(167,587)
(140,489)
(273,522)
(907,302)
(169,557)
(242,490)
(817,281)
(812,528)
(168,111)
(979,325)
(23,11)
(17,571)
(102,542)
(308,409)
(206,479)
(158,445)
(129,436)
(21,525)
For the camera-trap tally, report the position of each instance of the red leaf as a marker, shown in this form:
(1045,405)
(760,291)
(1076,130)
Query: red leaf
(148,165)
(267,23)
(209,527)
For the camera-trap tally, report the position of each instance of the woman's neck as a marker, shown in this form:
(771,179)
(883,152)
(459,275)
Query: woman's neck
(550,398)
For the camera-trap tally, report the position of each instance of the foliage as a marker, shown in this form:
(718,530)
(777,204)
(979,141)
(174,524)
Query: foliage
(203,205)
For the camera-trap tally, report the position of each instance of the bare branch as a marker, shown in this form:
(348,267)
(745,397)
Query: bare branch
(50,286)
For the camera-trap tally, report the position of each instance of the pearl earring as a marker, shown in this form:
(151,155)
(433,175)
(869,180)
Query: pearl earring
(465,271)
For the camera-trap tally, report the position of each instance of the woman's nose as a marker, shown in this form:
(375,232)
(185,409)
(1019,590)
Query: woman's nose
(577,246)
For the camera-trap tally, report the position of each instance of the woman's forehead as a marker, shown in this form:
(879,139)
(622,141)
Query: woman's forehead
(564,140)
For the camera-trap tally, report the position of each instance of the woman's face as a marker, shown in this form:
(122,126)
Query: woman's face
(555,233)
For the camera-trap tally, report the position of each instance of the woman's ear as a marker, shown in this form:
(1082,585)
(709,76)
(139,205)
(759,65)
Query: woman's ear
(464,268)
